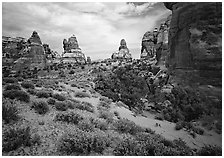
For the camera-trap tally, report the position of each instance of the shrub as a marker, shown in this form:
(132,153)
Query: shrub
(17,94)
(86,125)
(61,105)
(26,84)
(103,105)
(51,101)
(210,151)
(126,147)
(179,125)
(15,137)
(73,85)
(69,117)
(35,139)
(106,115)
(126,126)
(40,106)
(198,130)
(71,72)
(85,106)
(32,91)
(44,94)
(82,143)
(10,80)
(9,111)
(82,95)
(12,87)
(99,123)
(59,97)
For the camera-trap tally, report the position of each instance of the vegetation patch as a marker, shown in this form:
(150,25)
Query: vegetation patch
(26,84)
(12,87)
(69,117)
(40,106)
(81,95)
(17,94)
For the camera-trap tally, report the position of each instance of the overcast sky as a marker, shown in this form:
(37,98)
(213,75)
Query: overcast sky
(99,27)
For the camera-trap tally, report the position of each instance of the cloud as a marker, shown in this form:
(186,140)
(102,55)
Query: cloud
(99,27)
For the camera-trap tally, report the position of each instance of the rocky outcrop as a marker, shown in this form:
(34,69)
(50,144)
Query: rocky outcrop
(195,37)
(72,53)
(123,52)
(33,54)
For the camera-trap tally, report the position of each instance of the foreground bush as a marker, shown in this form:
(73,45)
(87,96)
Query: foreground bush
(61,105)
(12,87)
(59,97)
(83,143)
(126,126)
(69,117)
(210,151)
(15,137)
(51,101)
(81,95)
(85,106)
(17,94)
(43,94)
(26,84)
(40,106)
(10,80)
(9,111)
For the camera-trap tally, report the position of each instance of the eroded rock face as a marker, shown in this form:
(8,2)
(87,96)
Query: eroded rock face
(195,37)
(148,45)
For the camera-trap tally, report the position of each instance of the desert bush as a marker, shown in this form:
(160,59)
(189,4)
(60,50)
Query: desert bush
(20,79)
(59,97)
(99,123)
(103,105)
(126,126)
(12,87)
(40,106)
(86,125)
(71,72)
(10,80)
(43,94)
(198,130)
(17,94)
(61,105)
(179,125)
(32,91)
(51,101)
(159,117)
(26,84)
(106,115)
(82,143)
(85,106)
(81,95)
(210,150)
(15,137)
(35,139)
(69,117)
(9,111)
(73,85)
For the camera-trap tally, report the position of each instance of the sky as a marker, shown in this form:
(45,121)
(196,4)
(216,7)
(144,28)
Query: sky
(98,26)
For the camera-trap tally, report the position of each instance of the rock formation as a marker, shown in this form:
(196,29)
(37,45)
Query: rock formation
(123,52)
(72,52)
(33,54)
(195,37)
(148,45)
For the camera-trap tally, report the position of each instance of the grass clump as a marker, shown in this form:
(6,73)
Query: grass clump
(15,137)
(69,117)
(51,101)
(17,94)
(210,151)
(85,106)
(26,84)
(9,111)
(80,142)
(40,106)
(86,125)
(126,126)
(61,105)
(43,94)
(59,97)
(82,95)
(12,87)
(10,80)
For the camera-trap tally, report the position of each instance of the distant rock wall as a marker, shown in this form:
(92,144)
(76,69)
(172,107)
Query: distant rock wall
(195,37)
